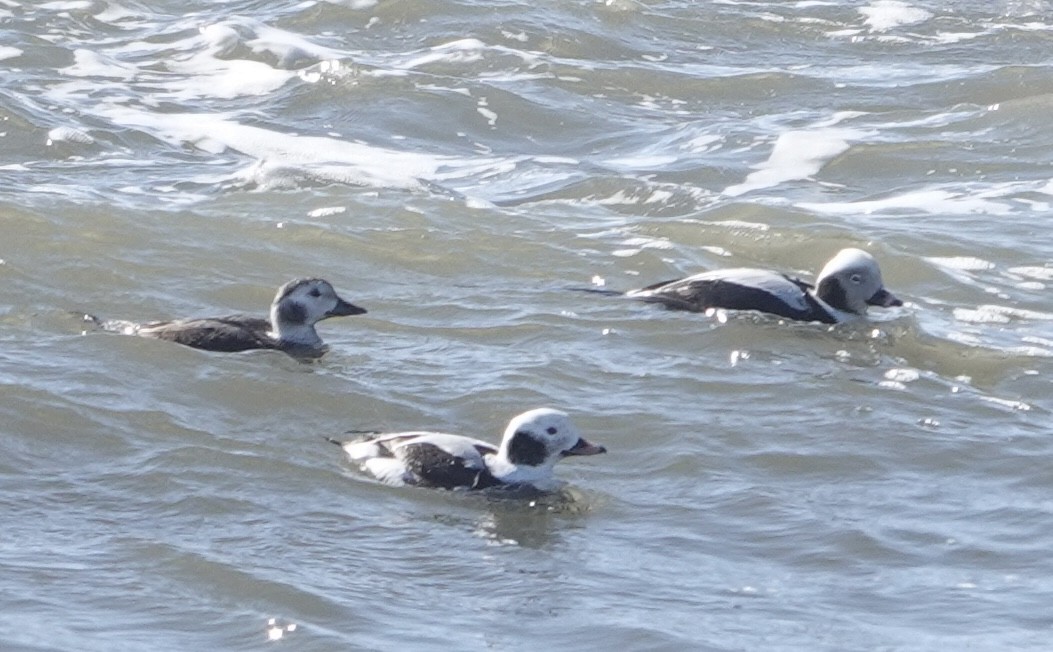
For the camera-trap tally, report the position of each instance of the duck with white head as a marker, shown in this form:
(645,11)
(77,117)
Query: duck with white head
(849,283)
(532,444)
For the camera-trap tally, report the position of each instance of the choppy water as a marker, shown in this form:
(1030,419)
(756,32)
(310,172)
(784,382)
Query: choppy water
(454,167)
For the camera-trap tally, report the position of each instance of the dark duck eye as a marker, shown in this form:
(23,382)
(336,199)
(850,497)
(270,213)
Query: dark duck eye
(551,431)
(315,293)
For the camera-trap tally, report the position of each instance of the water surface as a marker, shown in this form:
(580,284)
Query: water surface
(455,168)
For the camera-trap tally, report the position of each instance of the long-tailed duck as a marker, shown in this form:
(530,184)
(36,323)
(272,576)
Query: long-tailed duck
(845,287)
(532,444)
(297,307)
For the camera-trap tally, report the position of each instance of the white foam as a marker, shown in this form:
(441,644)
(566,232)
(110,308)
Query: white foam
(892,384)
(1037,273)
(964,338)
(992,314)
(220,38)
(619,198)
(7,52)
(648,243)
(659,197)
(69,135)
(640,162)
(280,154)
(73,5)
(838,117)
(964,263)
(200,69)
(945,38)
(556,160)
(285,45)
(902,375)
(114,13)
(467,50)
(886,14)
(90,64)
(471,50)
(701,143)
(489,114)
(1007,403)
(623,5)
(797,155)
(934,201)
(354,4)
(638,244)
(327,211)
(736,224)
(1034,339)
(328,71)
(515,36)
(208,77)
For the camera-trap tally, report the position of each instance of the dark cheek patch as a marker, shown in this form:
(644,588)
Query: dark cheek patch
(291,312)
(831,292)
(524,449)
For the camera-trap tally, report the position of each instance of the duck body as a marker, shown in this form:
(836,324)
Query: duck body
(426,459)
(847,284)
(297,307)
(533,442)
(739,289)
(227,334)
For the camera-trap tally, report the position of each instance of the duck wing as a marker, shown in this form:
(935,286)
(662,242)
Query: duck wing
(446,461)
(226,334)
(737,289)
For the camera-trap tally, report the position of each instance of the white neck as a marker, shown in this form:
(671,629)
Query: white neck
(297,334)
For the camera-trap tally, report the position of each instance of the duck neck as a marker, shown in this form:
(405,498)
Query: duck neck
(503,469)
(297,333)
(834,315)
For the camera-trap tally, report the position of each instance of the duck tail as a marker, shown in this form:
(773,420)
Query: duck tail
(122,326)
(87,317)
(360,436)
(606,293)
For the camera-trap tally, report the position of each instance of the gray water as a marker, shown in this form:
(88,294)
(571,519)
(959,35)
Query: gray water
(456,167)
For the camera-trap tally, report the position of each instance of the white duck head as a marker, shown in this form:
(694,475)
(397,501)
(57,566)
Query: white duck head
(532,444)
(300,304)
(851,281)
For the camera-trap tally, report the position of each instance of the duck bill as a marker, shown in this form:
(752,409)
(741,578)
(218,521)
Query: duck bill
(582,447)
(344,309)
(884,299)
